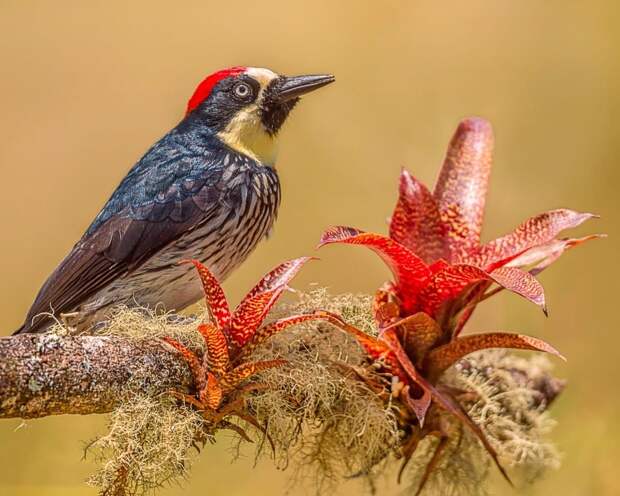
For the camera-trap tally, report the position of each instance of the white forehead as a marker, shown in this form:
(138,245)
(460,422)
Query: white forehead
(263,76)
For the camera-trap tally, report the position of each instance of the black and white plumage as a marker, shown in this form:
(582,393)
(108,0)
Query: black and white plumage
(207,190)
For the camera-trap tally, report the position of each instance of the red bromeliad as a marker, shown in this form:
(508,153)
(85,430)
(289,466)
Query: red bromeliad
(441,272)
(230,337)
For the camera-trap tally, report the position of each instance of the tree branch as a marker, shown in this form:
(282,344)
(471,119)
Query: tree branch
(48,374)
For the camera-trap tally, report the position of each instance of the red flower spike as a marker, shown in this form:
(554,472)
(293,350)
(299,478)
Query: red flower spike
(280,276)
(410,272)
(462,185)
(214,294)
(217,348)
(534,232)
(442,357)
(416,222)
(250,314)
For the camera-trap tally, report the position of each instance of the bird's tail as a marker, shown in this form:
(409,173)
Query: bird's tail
(21,330)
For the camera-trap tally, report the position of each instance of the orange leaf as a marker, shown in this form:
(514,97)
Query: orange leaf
(246,370)
(217,348)
(444,356)
(443,400)
(418,334)
(192,360)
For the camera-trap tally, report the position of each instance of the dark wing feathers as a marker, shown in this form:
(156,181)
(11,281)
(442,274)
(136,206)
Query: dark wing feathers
(154,205)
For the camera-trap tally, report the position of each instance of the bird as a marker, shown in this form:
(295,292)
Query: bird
(207,190)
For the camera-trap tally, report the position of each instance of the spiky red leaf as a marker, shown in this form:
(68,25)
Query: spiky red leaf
(461,189)
(543,256)
(535,231)
(214,294)
(416,222)
(442,357)
(410,271)
(250,314)
(279,276)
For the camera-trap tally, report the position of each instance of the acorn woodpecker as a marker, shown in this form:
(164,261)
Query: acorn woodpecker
(208,190)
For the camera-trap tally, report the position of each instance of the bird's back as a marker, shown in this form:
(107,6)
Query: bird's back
(190,196)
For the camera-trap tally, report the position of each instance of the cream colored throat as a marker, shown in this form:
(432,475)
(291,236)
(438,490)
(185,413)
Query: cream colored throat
(246,134)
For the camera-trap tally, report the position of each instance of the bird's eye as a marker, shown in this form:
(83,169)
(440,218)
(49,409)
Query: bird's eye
(242,91)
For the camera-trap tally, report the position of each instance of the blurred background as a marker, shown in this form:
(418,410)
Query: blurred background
(87,87)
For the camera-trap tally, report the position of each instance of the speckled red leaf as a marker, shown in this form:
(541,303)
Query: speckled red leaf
(250,314)
(469,305)
(272,328)
(418,334)
(214,294)
(540,257)
(279,276)
(416,222)
(447,284)
(217,348)
(246,370)
(442,357)
(443,400)
(410,272)
(536,231)
(521,282)
(192,360)
(461,188)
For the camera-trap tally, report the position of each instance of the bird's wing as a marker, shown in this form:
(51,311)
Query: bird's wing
(151,208)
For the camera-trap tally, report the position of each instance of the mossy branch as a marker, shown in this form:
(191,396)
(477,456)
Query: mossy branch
(51,374)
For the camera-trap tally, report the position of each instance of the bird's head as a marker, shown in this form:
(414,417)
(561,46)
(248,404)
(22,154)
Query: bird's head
(246,106)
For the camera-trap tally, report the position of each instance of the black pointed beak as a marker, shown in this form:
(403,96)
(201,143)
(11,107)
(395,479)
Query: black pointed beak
(290,87)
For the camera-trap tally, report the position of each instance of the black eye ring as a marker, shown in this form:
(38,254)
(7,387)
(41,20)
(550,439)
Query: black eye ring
(242,91)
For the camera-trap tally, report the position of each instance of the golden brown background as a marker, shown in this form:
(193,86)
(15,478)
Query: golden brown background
(86,87)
